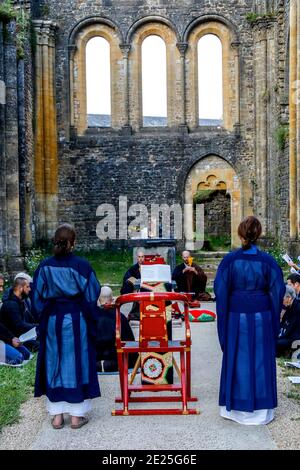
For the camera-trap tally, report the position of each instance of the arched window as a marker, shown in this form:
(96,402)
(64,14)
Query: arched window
(98,82)
(154,82)
(210,81)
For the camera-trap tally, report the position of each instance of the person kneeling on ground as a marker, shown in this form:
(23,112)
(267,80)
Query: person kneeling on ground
(106,333)
(290,322)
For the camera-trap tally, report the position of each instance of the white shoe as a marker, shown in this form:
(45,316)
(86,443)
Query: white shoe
(11,365)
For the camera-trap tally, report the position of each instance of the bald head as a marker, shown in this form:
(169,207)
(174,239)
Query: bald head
(140,256)
(185,256)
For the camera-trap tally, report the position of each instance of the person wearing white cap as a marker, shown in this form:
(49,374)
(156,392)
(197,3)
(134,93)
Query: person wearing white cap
(24,276)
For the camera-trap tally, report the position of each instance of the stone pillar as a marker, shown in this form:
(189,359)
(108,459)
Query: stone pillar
(46,162)
(182,47)
(71,49)
(235,46)
(10,259)
(298,126)
(125,48)
(261,96)
(293,119)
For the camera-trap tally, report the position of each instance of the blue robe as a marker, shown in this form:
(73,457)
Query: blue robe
(66,291)
(249,290)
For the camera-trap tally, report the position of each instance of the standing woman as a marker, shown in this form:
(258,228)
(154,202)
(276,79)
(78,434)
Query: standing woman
(249,291)
(66,291)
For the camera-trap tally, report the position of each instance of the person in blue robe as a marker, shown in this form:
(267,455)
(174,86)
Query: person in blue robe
(249,291)
(66,291)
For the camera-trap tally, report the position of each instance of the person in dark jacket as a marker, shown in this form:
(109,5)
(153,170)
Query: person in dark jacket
(133,273)
(14,315)
(290,322)
(14,353)
(106,334)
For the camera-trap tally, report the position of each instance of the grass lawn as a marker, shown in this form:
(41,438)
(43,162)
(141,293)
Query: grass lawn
(110,266)
(16,386)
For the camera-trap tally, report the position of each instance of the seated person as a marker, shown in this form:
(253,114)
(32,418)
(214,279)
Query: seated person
(189,277)
(106,334)
(128,287)
(295,266)
(290,322)
(294,281)
(14,315)
(132,274)
(13,353)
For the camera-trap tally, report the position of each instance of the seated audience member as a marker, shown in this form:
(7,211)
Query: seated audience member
(30,315)
(295,266)
(106,333)
(294,281)
(189,277)
(14,315)
(133,273)
(14,352)
(290,322)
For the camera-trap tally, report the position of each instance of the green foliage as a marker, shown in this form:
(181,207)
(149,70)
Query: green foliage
(203,195)
(252,17)
(16,386)
(33,258)
(276,250)
(7,12)
(23,32)
(221,243)
(282,135)
(45,10)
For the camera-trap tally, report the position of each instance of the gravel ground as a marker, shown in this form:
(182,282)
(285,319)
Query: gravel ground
(206,431)
(285,429)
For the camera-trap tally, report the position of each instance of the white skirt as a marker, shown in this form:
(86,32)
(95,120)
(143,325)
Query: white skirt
(74,409)
(255,417)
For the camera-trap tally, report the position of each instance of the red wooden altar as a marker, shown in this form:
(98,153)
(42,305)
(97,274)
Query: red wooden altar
(153,339)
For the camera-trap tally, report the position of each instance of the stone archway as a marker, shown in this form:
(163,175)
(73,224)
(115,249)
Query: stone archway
(213,173)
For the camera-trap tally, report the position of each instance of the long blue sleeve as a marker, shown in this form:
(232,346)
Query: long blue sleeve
(221,289)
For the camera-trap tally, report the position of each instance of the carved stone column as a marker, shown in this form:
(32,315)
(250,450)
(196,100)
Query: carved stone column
(182,47)
(125,48)
(46,162)
(235,46)
(261,96)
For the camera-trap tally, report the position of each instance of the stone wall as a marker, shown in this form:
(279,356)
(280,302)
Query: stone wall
(217,215)
(74,169)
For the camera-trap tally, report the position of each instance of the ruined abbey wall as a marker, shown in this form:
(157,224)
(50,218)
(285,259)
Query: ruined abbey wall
(71,169)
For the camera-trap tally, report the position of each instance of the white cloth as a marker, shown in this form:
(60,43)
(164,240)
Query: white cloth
(255,417)
(74,409)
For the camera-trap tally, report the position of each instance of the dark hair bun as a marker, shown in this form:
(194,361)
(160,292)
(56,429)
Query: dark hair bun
(250,230)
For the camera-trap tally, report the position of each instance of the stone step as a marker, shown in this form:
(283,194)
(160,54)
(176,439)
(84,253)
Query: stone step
(209,254)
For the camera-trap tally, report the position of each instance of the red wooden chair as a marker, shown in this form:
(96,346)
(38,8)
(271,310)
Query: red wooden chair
(153,338)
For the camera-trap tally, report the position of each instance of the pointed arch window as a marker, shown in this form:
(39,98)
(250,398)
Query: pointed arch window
(98,82)
(154,82)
